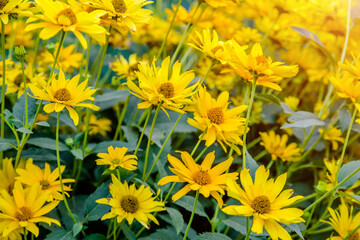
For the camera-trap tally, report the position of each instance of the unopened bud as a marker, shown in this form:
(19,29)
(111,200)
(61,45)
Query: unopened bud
(50,47)
(20,52)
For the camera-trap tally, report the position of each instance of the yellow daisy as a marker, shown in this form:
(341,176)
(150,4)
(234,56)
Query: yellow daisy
(156,86)
(276,146)
(97,126)
(25,208)
(15,234)
(346,85)
(264,200)
(352,67)
(13,7)
(344,222)
(56,16)
(122,13)
(124,68)
(333,135)
(116,158)
(32,174)
(7,175)
(130,203)
(209,181)
(215,119)
(15,81)
(222,3)
(64,93)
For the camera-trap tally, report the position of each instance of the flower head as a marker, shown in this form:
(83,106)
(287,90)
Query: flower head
(130,203)
(346,85)
(13,7)
(264,200)
(353,67)
(97,126)
(333,135)
(209,181)
(117,158)
(124,68)
(276,146)
(64,93)
(213,117)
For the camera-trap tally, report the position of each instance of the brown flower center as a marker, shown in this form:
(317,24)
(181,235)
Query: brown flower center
(3,3)
(167,89)
(19,80)
(44,184)
(66,17)
(354,236)
(24,214)
(261,204)
(133,68)
(216,115)
(119,6)
(129,204)
(202,177)
(62,95)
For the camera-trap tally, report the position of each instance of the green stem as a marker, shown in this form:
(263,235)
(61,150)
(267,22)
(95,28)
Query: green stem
(201,153)
(37,44)
(169,30)
(303,199)
(253,88)
(114,230)
(208,71)
(121,119)
(198,143)
(12,129)
(163,146)
(248,227)
(149,140)
(59,167)
(321,231)
(352,232)
(25,93)
(345,144)
(192,214)
(142,132)
(270,164)
(62,38)
(331,190)
(2,132)
(25,234)
(260,155)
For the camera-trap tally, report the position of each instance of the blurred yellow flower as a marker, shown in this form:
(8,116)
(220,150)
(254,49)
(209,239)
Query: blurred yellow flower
(353,67)
(209,181)
(264,199)
(97,126)
(64,93)
(130,203)
(117,158)
(292,102)
(346,86)
(13,7)
(276,147)
(124,68)
(333,135)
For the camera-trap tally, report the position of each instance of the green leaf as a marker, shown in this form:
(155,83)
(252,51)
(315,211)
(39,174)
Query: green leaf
(77,153)
(19,109)
(77,228)
(60,234)
(212,236)
(5,143)
(250,164)
(103,146)
(176,218)
(24,130)
(301,119)
(187,202)
(310,35)
(39,154)
(130,235)
(94,211)
(268,98)
(95,236)
(47,143)
(346,170)
(44,124)
(238,223)
(163,234)
(296,228)
(110,98)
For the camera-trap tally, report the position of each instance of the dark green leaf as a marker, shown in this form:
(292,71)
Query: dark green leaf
(130,235)
(77,228)
(238,223)
(176,218)
(187,202)
(346,170)
(24,130)
(94,211)
(212,236)
(296,228)
(163,234)
(47,143)
(5,143)
(19,109)
(60,234)
(77,153)
(268,98)
(95,236)
(44,124)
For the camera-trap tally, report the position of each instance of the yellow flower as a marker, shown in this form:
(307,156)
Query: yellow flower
(246,35)
(215,119)
(122,13)
(56,16)
(14,234)
(256,64)
(346,86)
(7,176)
(25,208)
(130,203)
(333,135)
(221,3)
(124,68)
(116,158)
(276,146)
(209,181)
(156,86)
(13,7)
(32,174)
(353,67)
(264,200)
(14,79)
(17,31)
(292,102)
(97,126)
(63,93)
(344,222)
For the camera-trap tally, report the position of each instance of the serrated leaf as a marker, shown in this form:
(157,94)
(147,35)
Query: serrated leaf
(60,234)
(77,153)
(77,228)
(268,98)
(212,236)
(346,170)
(294,227)
(47,143)
(163,234)
(94,211)
(24,130)
(310,35)
(187,202)
(176,218)
(95,236)
(130,235)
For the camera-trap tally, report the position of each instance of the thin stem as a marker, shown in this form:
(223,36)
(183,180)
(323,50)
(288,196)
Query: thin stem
(37,44)
(169,30)
(270,164)
(198,143)
(59,167)
(142,132)
(121,119)
(25,234)
(149,139)
(303,199)
(208,71)
(248,227)
(192,214)
(2,132)
(201,153)
(62,38)
(352,232)
(114,230)
(253,88)
(163,146)
(13,130)
(25,93)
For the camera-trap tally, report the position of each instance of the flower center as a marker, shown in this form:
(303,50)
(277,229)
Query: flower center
(354,236)
(3,3)
(130,204)
(19,80)
(262,60)
(116,161)
(133,68)
(24,214)
(261,204)
(66,17)
(167,89)
(216,115)
(62,95)
(119,6)
(202,177)
(44,184)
